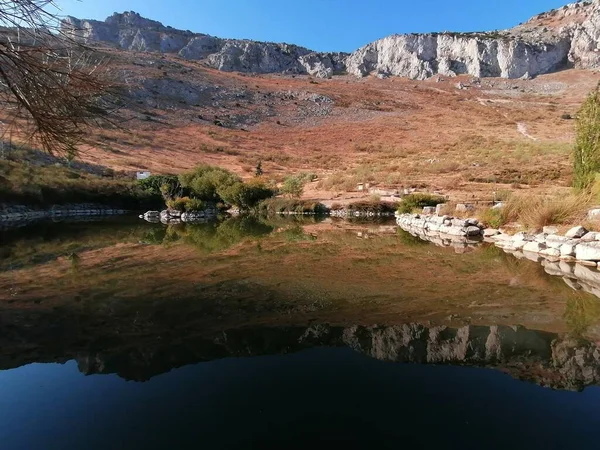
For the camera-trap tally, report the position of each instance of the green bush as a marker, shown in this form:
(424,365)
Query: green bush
(166,185)
(208,183)
(184,204)
(586,162)
(374,206)
(282,205)
(419,200)
(247,195)
(492,217)
(293,186)
(194,204)
(178,204)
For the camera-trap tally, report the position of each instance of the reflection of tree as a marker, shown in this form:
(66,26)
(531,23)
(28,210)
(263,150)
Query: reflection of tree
(296,233)
(212,237)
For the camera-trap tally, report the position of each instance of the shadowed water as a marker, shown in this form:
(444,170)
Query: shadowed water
(254,333)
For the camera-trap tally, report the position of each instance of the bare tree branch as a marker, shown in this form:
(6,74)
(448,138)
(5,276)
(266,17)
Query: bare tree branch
(59,86)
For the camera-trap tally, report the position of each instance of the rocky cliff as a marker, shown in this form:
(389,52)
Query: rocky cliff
(547,42)
(569,36)
(130,31)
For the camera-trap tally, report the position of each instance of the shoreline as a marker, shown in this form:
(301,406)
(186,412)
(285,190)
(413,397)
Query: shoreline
(21,214)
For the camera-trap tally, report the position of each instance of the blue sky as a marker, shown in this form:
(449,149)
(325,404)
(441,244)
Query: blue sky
(325,25)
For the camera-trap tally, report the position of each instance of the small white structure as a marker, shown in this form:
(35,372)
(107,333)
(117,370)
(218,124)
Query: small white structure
(142,175)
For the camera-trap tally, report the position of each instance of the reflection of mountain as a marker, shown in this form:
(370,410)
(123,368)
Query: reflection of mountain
(540,357)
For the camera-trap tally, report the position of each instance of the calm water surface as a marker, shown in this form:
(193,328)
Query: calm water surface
(286,334)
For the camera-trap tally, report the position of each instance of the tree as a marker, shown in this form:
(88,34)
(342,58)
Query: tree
(49,82)
(586,164)
(208,183)
(247,195)
(259,171)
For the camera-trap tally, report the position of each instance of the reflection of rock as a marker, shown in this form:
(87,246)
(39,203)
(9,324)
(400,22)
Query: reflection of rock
(540,357)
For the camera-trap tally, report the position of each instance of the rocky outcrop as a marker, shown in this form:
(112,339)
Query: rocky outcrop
(566,36)
(130,31)
(585,48)
(420,56)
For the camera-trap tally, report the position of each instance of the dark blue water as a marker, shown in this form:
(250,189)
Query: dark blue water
(320,398)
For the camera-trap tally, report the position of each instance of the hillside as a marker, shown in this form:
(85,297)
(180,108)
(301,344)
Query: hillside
(467,127)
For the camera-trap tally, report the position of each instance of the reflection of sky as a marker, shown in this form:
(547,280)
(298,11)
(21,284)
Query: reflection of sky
(304,397)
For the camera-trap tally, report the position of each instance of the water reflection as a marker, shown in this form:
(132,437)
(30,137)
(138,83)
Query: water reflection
(543,358)
(138,299)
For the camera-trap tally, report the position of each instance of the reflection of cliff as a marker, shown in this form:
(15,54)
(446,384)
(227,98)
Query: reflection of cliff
(540,357)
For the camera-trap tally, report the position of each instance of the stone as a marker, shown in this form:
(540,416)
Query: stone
(594,214)
(459,223)
(576,232)
(587,263)
(490,232)
(552,252)
(588,251)
(464,207)
(521,235)
(590,237)
(439,208)
(568,248)
(550,230)
(533,247)
(473,231)
(429,210)
(556,241)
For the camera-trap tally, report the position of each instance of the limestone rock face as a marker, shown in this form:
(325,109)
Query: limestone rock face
(130,31)
(585,48)
(481,55)
(568,36)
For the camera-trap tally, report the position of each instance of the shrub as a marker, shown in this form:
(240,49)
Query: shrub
(208,182)
(535,212)
(281,205)
(491,217)
(587,148)
(374,206)
(194,204)
(178,204)
(419,200)
(293,186)
(166,185)
(247,195)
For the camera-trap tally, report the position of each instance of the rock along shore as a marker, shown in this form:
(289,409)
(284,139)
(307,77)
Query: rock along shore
(20,213)
(574,256)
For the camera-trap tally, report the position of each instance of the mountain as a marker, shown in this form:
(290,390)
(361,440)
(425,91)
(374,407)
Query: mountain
(565,37)
(130,31)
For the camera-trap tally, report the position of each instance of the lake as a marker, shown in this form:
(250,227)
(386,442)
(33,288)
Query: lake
(287,332)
